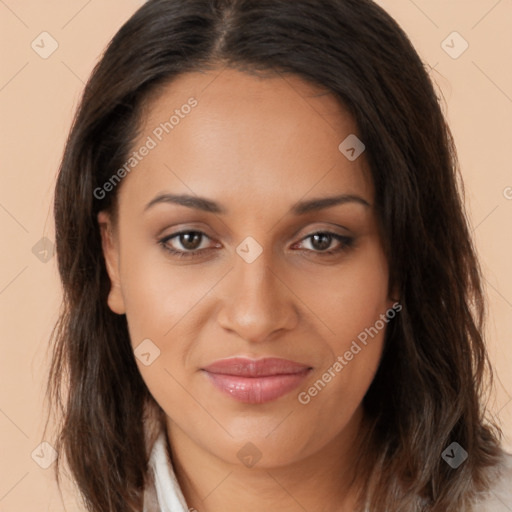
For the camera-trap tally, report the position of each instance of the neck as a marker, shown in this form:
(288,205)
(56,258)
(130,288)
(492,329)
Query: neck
(321,482)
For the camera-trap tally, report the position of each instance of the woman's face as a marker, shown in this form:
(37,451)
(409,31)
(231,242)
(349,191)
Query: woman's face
(270,267)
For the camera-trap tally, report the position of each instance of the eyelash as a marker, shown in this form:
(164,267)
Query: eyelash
(345,243)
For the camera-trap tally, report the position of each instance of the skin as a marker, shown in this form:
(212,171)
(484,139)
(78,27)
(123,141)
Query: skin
(256,146)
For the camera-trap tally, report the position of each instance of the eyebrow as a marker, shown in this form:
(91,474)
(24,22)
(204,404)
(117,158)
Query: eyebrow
(300,208)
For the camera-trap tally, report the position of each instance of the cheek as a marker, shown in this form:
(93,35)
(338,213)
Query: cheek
(164,316)
(336,392)
(351,299)
(159,304)
(158,296)
(353,304)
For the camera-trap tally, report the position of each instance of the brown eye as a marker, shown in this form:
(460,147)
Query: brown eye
(190,240)
(185,243)
(321,241)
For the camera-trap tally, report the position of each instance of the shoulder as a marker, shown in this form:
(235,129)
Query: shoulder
(499,497)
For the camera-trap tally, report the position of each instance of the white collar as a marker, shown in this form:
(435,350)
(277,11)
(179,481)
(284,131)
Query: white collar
(164,492)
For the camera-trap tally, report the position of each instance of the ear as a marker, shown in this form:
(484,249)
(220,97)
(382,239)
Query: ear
(110,245)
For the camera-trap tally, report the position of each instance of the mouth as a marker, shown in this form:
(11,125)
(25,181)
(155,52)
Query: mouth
(256,381)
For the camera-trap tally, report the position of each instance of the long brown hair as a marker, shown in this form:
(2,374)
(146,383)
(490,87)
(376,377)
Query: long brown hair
(429,389)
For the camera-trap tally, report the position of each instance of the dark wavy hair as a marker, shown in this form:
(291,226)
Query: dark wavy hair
(432,383)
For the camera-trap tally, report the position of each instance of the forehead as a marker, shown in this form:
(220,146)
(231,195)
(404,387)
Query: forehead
(246,135)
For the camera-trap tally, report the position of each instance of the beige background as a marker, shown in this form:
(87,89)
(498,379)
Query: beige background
(37,99)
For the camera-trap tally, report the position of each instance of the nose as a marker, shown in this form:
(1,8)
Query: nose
(257,302)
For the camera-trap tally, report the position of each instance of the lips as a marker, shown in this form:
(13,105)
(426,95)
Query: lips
(256,381)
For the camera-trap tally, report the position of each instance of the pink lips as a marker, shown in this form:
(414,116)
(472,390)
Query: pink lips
(256,381)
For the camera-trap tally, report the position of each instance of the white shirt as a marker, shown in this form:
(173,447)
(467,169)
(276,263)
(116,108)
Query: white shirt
(164,495)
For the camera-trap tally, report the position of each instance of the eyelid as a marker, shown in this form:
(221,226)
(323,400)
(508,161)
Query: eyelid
(344,242)
(163,240)
(309,232)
